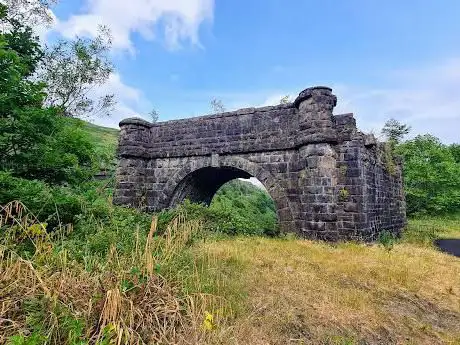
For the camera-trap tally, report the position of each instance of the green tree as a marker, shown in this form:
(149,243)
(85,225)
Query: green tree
(455,149)
(34,141)
(72,71)
(242,208)
(431,176)
(395,131)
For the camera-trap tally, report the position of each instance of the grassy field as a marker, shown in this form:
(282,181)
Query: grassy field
(105,140)
(102,136)
(187,287)
(304,292)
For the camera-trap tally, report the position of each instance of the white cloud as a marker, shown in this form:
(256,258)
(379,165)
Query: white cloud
(180,20)
(116,86)
(130,102)
(42,30)
(426,98)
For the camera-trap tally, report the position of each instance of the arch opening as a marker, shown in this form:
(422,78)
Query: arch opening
(239,198)
(201,185)
(247,206)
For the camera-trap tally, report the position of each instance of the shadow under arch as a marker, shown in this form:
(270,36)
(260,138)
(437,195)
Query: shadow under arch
(198,181)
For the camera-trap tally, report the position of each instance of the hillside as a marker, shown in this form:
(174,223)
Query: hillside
(102,137)
(105,141)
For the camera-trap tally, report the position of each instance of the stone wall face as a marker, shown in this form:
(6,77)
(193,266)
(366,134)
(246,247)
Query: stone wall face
(244,130)
(328,180)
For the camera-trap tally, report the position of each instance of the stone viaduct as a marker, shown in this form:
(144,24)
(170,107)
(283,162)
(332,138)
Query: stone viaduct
(328,180)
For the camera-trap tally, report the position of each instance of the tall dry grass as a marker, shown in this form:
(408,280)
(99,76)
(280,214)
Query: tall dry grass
(125,300)
(304,292)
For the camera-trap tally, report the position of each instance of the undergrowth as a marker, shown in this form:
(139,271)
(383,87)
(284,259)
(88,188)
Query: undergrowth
(121,282)
(424,230)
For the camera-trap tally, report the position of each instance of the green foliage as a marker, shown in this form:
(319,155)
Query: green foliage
(21,40)
(344,194)
(57,205)
(104,141)
(33,339)
(245,209)
(51,321)
(431,176)
(395,131)
(387,240)
(238,208)
(35,142)
(424,230)
(50,204)
(455,150)
(389,156)
(95,234)
(72,69)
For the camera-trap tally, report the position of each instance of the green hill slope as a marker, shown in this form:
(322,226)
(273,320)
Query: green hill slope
(103,137)
(105,140)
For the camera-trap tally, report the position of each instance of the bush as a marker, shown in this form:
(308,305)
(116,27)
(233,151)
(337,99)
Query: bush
(57,205)
(51,204)
(36,141)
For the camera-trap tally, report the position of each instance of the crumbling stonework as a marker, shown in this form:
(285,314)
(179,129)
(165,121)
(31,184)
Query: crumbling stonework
(328,180)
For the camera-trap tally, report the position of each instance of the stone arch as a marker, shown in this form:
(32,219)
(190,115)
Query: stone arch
(189,182)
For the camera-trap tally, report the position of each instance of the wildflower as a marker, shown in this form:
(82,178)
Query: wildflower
(208,323)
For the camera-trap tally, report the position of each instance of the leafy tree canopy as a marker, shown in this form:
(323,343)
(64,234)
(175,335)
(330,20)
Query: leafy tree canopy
(35,142)
(395,131)
(431,175)
(72,71)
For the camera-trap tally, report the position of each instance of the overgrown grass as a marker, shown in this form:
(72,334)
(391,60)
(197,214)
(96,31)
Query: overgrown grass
(425,230)
(119,276)
(155,292)
(105,142)
(304,292)
(102,136)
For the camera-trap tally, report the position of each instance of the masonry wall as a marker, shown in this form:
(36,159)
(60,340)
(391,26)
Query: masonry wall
(245,130)
(370,194)
(328,180)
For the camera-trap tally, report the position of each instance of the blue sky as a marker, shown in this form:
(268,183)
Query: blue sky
(383,59)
